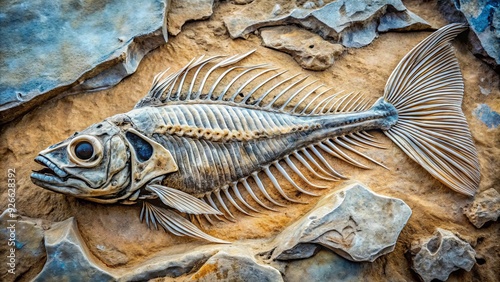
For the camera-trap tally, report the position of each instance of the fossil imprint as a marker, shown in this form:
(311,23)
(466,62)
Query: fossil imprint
(192,148)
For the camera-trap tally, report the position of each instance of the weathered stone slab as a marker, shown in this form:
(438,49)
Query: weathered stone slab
(437,256)
(182,11)
(51,47)
(327,266)
(309,50)
(485,114)
(486,207)
(483,18)
(355,23)
(22,246)
(68,258)
(353,222)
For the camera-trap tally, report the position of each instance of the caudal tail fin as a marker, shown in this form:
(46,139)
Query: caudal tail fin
(427,88)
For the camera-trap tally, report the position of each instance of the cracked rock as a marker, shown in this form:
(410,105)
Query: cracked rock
(182,11)
(354,222)
(354,23)
(71,46)
(25,237)
(309,50)
(483,18)
(437,256)
(486,207)
(68,258)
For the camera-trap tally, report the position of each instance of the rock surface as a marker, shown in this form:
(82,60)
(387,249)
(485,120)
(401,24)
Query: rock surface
(71,46)
(25,236)
(483,18)
(489,117)
(437,256)
(235,265)
(486,207)
(325,266)
(68,258)
(353,222)
(308,49)
(354,23)
(182,11)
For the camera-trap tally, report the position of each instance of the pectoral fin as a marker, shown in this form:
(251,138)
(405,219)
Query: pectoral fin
(174,223)
(181,201)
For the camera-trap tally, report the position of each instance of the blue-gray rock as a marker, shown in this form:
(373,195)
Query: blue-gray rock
(51,47)
(354,222)
(483,17)
(68,258)
(235,264)
(485,114)
(437,256)
(326,266)
(354,23)
(22,246)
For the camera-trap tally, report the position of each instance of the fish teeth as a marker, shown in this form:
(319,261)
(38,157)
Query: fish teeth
(45,161)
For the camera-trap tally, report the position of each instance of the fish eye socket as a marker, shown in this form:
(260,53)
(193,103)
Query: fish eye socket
(84,150)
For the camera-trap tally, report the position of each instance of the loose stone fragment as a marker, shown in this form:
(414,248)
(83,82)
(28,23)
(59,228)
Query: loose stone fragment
(182,11)
(355,23)
(486,207)
(485,114)
(483,18)
(68,258)
(235,265)
(54,47)
(25,237)
(437,256)
(327,266)
(309,50)
(353,222)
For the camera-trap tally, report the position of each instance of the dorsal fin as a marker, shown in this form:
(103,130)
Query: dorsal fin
(257,86)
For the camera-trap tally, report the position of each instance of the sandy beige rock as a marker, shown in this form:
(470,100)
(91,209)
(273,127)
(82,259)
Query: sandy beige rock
(182,11)
(309,50)
(486,207)
(355,23)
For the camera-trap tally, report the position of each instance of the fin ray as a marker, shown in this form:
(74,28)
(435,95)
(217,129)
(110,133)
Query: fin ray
(427,90)
(181,201)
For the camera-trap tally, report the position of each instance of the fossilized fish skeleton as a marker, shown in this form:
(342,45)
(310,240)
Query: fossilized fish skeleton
(193,148)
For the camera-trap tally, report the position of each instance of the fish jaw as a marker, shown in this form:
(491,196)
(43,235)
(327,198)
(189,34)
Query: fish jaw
(54,178)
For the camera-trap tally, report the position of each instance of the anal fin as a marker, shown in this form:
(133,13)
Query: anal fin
(175,223)
(181,201)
